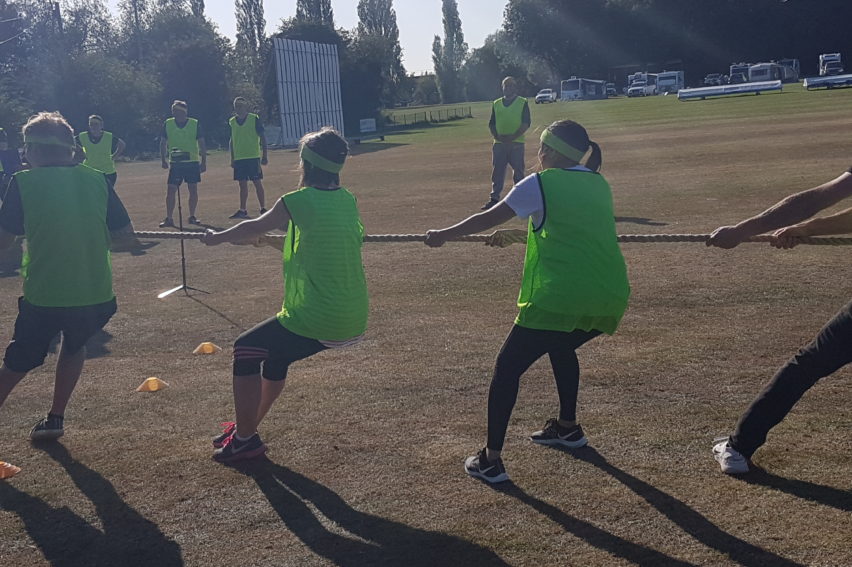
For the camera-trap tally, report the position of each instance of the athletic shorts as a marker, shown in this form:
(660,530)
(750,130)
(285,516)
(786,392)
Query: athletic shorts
(180,171)
(247,170)
(112,178)
(36,327)
(270,346)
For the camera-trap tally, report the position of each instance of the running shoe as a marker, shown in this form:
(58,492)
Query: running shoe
(236,450)
(48,429)
(478,466)
(228,428)
(554,434)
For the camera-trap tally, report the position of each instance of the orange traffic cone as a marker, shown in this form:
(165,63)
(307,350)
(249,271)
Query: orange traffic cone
(8,470)
(152,384)
(206,348)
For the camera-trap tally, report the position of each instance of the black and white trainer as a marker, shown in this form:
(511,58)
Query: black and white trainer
(555,435)
(478,466)
(48,429)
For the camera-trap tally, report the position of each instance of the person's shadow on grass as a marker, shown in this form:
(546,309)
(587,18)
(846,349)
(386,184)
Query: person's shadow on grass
(332,529)
(825,495)
(68,540)
(690,521)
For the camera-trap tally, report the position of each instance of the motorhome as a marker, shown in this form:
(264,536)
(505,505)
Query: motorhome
(740,71)
(669,81)
(577,88)
(830,64)
(766,72)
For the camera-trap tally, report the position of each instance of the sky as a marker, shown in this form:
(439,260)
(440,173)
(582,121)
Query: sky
(418,20)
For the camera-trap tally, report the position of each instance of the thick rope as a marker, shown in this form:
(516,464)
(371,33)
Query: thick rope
(512,239)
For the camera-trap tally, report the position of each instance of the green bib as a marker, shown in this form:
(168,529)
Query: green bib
(574,274)
(244,137)
(67,261)
(507,119)
(325,291)
(182,142)
(98,156)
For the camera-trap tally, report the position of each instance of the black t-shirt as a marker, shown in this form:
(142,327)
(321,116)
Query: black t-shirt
(12,210)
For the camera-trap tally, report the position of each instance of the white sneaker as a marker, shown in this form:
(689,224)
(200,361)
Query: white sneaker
(730,460)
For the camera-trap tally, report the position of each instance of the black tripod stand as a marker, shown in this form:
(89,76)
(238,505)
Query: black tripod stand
(186,289)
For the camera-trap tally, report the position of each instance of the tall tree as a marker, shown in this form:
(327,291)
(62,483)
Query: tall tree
(377,23)
(315,11)
(197,8)
(448,56)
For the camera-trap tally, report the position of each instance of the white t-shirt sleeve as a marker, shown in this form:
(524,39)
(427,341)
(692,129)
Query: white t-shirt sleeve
(526,200)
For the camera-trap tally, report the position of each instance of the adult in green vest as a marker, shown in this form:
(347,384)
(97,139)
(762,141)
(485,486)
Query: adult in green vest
(510,118)
(184,154)
(98,148)
(70,216)
(248,153)
(574,284)
(325,291)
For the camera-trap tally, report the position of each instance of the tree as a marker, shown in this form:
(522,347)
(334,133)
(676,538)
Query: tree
(316,11)
(197,8)
(448,56)
(377,23)
(251,37)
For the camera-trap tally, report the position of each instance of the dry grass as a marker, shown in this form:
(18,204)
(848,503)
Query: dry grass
(367,444)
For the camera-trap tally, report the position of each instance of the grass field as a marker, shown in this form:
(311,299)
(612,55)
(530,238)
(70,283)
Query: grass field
(367,444)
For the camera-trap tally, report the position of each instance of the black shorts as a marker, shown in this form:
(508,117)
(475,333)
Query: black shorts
(36,327)
(112,178)
(180,171)
(271,345)
(247,170)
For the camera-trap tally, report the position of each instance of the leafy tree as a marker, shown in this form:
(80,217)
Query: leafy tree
(316,11)
(448,56)
(197,8)
(251,37)
(377,24)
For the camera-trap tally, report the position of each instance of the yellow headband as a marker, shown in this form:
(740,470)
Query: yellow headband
(556,143)
(318,161)
(47,141)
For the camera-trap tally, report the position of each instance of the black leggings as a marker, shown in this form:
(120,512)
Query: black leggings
(827,353)
(523,347)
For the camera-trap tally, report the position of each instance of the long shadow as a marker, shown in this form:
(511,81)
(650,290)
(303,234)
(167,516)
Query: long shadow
(592,534)
(368,147)
(350,538)
(690,521)
(640,220)
(68,540)
(218,313)
(826,495)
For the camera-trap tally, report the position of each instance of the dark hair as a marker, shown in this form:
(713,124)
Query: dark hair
(576,136)
(332,146)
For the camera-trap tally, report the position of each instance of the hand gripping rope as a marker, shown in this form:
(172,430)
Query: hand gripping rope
(507,237)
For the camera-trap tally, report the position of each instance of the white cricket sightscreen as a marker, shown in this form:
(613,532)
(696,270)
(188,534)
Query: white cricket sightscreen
(308,78)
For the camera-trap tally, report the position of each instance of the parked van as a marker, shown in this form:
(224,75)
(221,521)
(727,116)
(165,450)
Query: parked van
(669,81)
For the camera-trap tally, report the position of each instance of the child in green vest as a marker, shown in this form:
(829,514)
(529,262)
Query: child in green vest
(325,300)
(68,213)
(574,285)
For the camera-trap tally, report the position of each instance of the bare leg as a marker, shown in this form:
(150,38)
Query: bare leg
(261,194)
(193,197)
(269,392)
(68,370)
(8,380)
(171,191)
(243,193)
(247,393)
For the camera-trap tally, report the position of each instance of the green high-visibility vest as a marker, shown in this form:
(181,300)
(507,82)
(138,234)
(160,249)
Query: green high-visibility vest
(507,119)
(98,155)
(244,137)
(182,142)
(325,291)
(574,273)
(67,259)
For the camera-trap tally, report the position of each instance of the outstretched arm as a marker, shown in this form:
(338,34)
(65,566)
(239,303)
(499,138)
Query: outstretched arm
(495,216)
(250,230)
(794,209)
(840,223)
